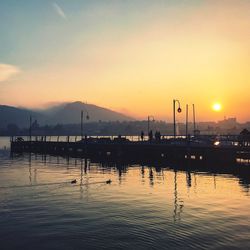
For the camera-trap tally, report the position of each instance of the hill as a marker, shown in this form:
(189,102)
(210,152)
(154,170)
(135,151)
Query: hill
(67,113)
(18,116)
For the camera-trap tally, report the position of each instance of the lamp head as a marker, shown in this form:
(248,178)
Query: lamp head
(179,110)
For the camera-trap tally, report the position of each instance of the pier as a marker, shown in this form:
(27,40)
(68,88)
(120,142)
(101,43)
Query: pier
(180,150)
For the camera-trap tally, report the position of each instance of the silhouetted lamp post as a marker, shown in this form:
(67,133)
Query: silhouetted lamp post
(87,118)
(194,123)
(174,110)
(30,127)
(150,118)
(186,121)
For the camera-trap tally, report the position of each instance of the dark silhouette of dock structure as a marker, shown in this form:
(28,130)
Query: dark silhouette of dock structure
(201,151)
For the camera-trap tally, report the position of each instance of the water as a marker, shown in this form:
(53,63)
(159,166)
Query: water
(145,207)
(4,142)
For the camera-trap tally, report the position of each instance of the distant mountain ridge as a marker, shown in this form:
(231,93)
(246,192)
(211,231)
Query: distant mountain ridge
(18,116)
(66,113)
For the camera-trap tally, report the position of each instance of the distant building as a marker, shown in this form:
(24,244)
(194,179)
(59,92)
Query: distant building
(228,123)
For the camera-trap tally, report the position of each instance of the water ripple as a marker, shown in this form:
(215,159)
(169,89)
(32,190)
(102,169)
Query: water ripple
(142,208)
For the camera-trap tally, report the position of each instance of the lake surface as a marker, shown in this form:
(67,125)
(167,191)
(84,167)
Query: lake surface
(144,207)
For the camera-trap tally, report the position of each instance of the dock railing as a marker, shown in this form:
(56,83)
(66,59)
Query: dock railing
(221,140)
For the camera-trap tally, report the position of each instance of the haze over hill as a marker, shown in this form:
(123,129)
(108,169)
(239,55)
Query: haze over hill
(18,116)
(66,113)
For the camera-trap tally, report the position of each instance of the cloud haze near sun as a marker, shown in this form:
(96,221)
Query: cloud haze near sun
(138,56)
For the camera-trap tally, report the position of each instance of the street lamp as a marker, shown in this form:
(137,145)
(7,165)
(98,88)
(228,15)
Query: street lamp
(178,110)
(194,123)
(150,118)
(186,121)
(30,128)
(87,118)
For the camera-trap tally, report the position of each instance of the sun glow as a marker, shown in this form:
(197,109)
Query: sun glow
(217,107)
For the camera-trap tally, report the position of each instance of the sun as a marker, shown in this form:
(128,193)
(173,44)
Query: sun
(217,107)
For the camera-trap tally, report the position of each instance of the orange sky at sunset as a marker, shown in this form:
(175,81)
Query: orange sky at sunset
(136,61)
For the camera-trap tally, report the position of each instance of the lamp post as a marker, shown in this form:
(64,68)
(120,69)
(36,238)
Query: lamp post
(150,118)
(186,121)
(30,128)
(87,118)
(178,110)
(194,122)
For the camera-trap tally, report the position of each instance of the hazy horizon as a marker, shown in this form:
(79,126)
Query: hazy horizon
(167,118)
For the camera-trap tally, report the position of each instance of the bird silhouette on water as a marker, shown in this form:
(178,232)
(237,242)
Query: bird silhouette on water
(73,182)
(108,181)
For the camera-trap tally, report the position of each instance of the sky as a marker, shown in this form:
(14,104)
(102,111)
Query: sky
(132,56)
